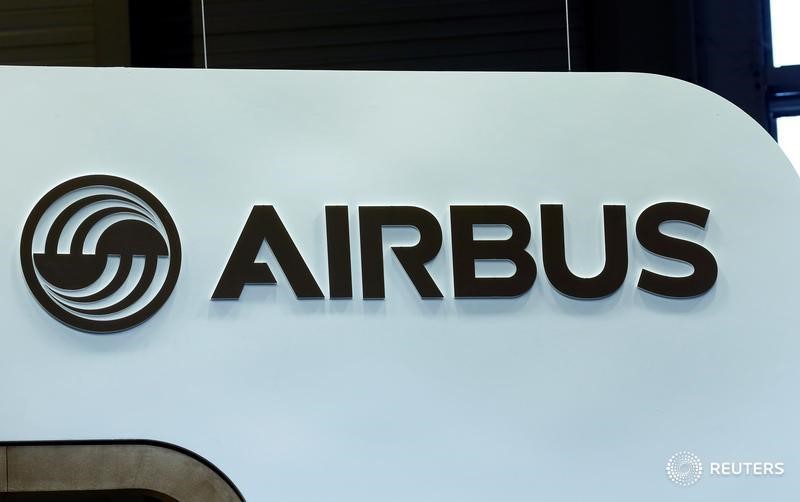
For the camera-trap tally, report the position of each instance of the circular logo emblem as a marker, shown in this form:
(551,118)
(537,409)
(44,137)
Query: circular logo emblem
(684,468)
(100,253)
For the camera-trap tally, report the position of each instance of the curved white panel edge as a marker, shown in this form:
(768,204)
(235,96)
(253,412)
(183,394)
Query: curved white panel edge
(540,397)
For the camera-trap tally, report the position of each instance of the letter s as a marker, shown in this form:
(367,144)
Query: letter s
(704,275)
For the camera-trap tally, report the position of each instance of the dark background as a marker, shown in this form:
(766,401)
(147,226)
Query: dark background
(723,45)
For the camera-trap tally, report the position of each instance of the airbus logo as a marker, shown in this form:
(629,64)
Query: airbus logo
(100,253)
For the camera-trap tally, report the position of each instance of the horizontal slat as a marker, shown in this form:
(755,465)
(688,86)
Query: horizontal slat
(785,105)
(86,61)
(429,30)
(49,36)
(259,6)
(9,5)
(784,79)
(239,17)
(27,55)
(51,18)
(296,57)
(523,60)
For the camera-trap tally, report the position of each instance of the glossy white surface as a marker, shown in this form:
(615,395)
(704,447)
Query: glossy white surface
(537,398)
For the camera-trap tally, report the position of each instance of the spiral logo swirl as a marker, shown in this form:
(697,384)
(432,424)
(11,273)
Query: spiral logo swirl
(100,253)
(684,468)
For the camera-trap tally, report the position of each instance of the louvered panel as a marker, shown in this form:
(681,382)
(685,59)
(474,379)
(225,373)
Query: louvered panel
(47,36)
(425,50)
(552,60)
(428,31)
(389,34)
(37,18)
(356,34)
(47,32)
(47,54)
(239,16)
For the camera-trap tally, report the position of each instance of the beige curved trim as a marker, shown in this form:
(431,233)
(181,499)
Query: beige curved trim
(94,467)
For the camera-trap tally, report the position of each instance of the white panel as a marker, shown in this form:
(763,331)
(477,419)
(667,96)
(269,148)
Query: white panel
(541,397)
